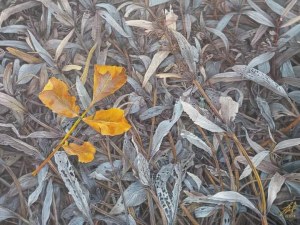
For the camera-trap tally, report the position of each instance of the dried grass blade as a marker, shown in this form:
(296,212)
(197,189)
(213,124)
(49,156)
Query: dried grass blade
(87,64)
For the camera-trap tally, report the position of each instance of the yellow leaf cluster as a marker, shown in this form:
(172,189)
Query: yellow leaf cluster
(56,96)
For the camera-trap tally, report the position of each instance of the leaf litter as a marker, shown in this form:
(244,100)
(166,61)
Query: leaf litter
(209,105)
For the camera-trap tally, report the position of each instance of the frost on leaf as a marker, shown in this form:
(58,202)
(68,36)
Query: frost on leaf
(260,78)
(68,175)
(143,169)
(229,109)
(134,195)
(169,200)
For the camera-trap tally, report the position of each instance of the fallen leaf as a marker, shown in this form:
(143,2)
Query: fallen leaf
(156,61)
(232,196)
(24,56)
(259,78)
(87,64)
(55,96)
(134,195)
(164,127)
(256,160)
(11,103)
(71,182)
(109,122)
(62,44)
(171,18)
(107,80)
(198,119)
(195,140)
(229,109)
(141,24)
(85,152)
(274,187)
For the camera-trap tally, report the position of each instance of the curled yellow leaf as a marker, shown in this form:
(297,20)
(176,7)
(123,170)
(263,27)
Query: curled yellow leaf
(85,152)
(56,96)
(107,80)
(108,122)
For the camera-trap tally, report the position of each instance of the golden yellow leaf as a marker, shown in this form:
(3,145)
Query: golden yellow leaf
(85,152)
(56,96)
(108,122)
(107,80)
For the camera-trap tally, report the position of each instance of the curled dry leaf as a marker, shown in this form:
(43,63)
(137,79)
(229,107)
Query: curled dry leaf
(55,96)
(171,18)
(109,122)
(107,80)
(229,109)
(85,152)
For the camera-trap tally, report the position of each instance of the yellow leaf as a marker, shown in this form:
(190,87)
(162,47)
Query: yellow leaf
(85,152)
(108,122)
(55,96)
(107,80)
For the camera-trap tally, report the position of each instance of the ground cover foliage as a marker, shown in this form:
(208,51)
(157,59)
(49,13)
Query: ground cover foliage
(212,97)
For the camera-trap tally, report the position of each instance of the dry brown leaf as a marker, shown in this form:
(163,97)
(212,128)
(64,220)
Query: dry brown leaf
(11,103)
(229,109)
(7,79)
(24,56)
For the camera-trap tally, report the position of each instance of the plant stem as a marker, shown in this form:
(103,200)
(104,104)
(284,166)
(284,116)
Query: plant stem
(68,134)
(242,150)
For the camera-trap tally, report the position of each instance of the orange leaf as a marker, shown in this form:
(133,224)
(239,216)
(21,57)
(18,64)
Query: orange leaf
(55,96)
(85,152)
(107,80)
(108,122)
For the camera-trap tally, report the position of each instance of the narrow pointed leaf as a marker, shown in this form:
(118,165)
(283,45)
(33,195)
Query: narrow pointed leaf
(164,127)
(109,122)
(67,174)
(199,119)
(85,152)
(232,196)
(287,144)
(260,78)
(134,195)
(274,187)
(56,96)
(195,140)
(256,160)
(107,80)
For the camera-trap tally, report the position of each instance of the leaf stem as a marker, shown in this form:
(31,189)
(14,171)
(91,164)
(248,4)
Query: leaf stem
(68,134)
